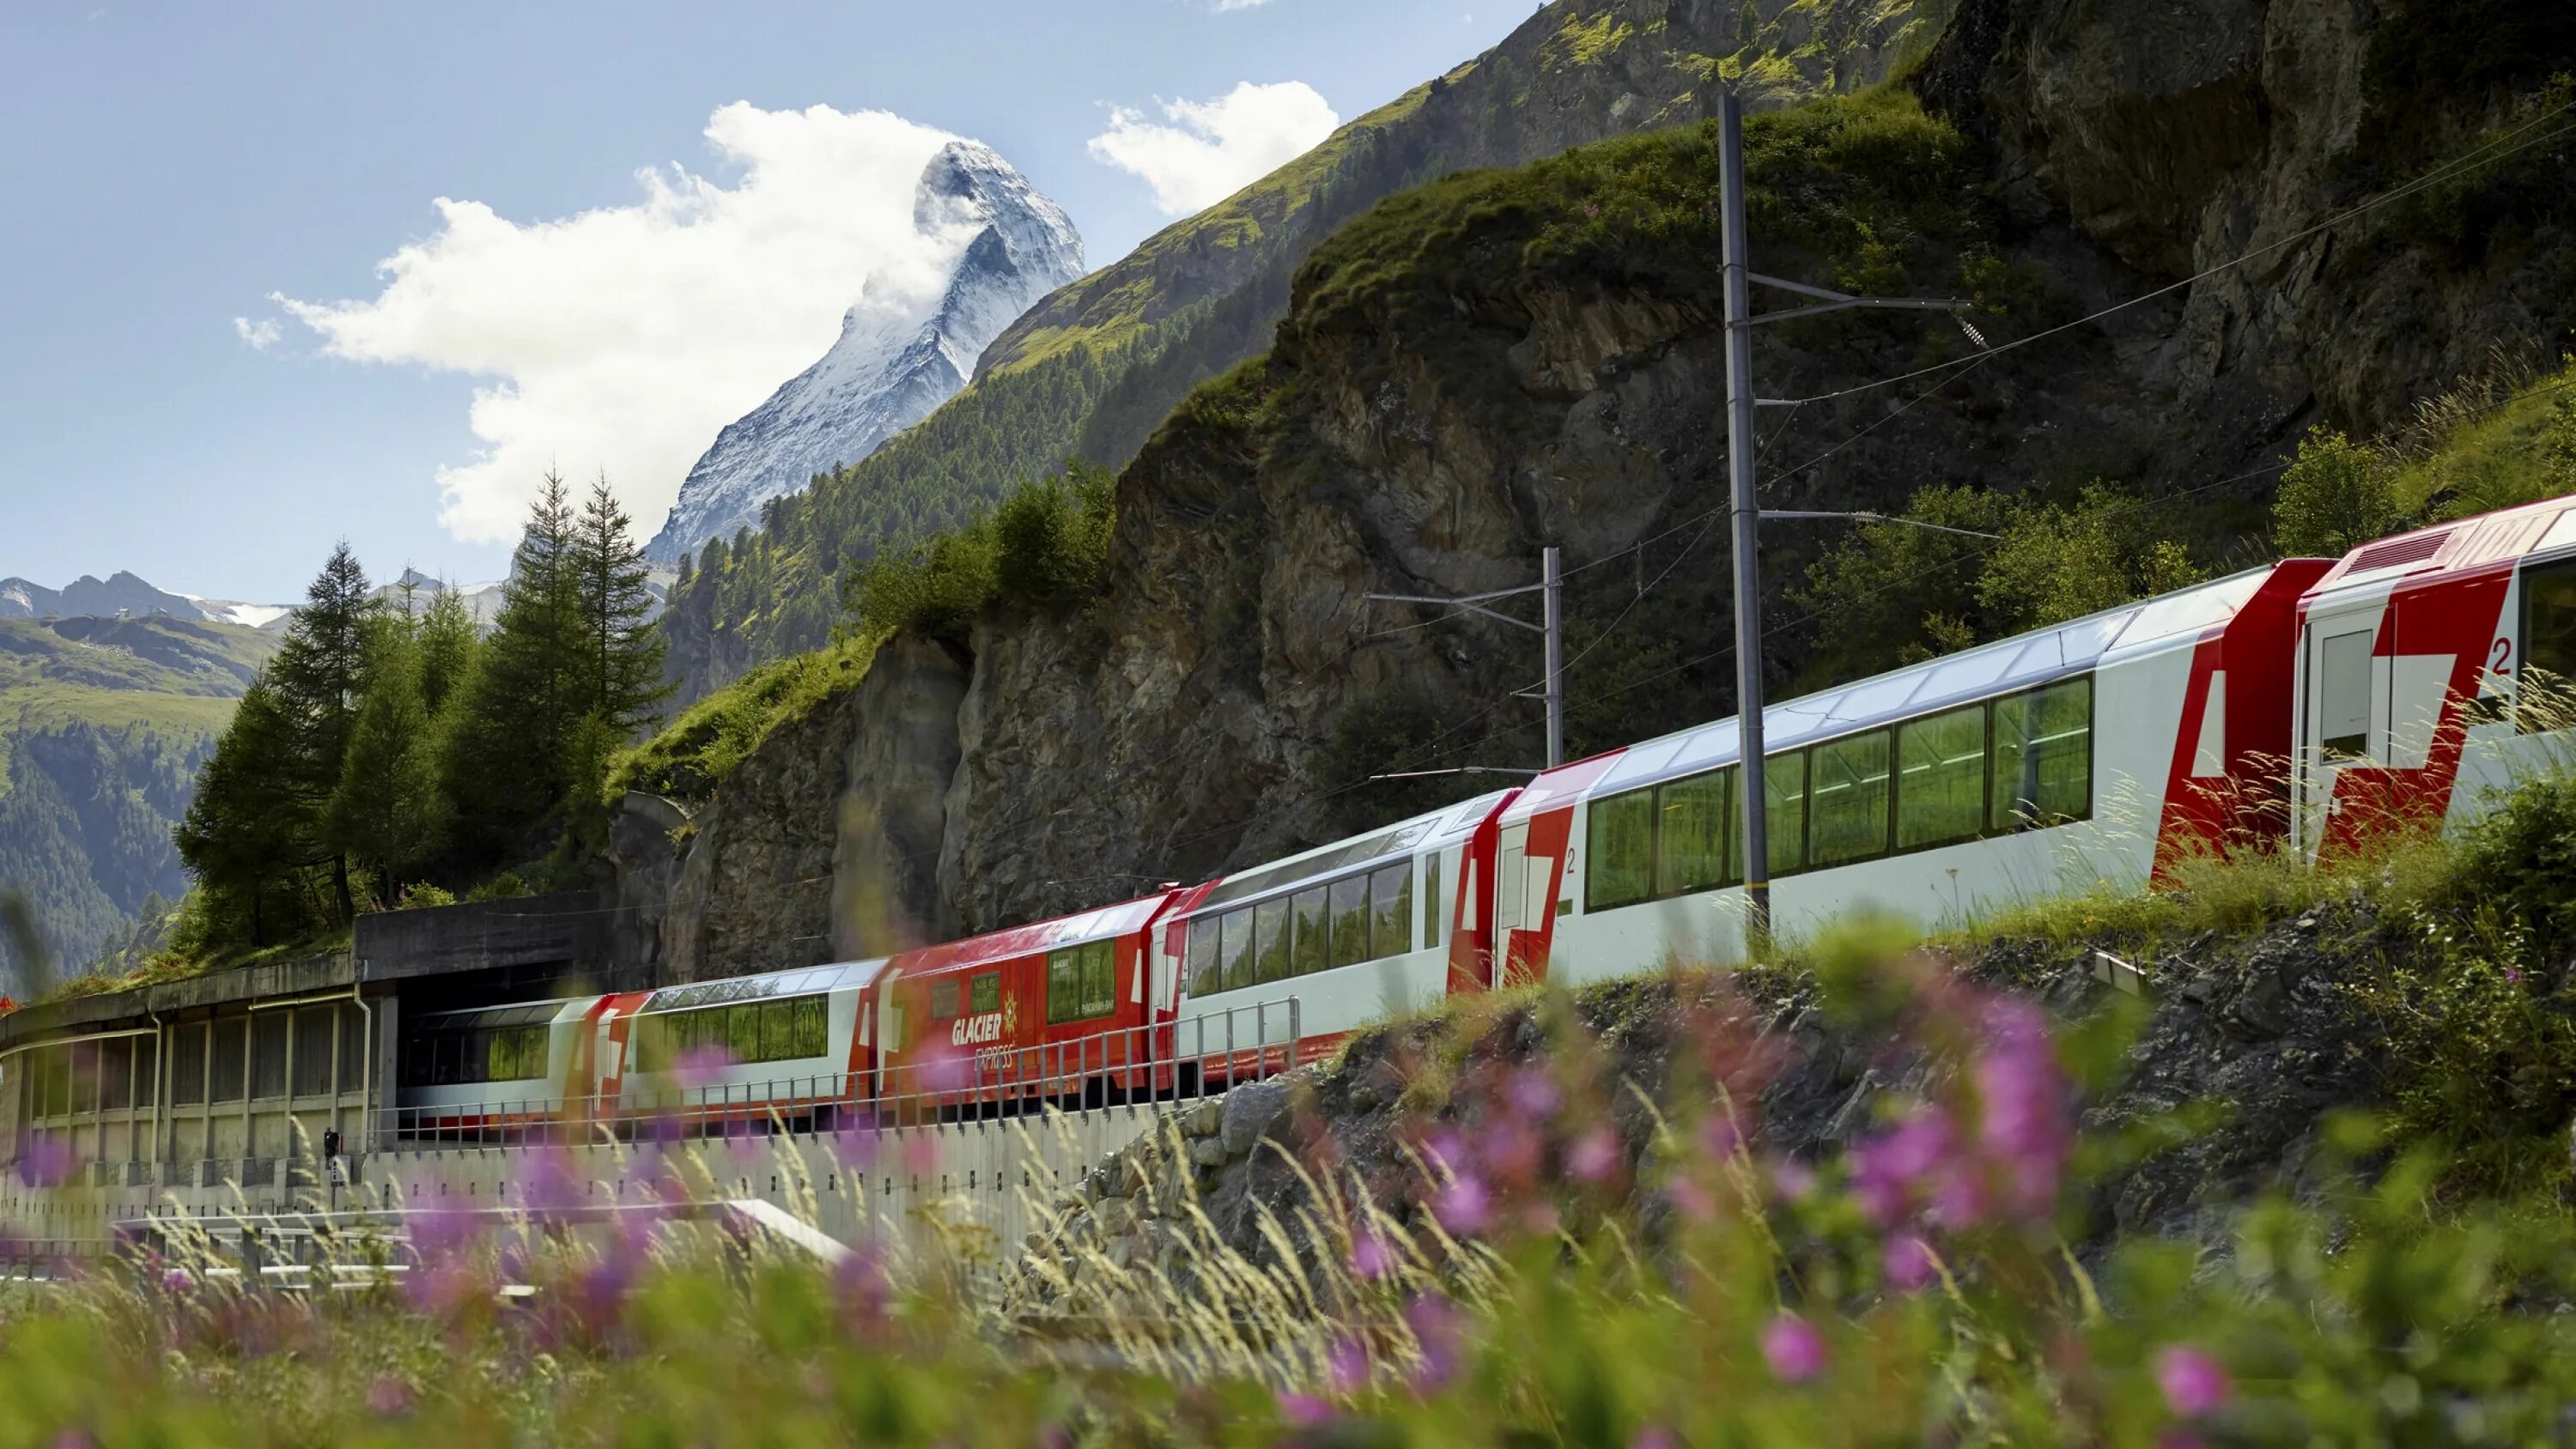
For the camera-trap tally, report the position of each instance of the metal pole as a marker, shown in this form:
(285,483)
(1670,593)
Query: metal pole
(1554,619)
(1748,522)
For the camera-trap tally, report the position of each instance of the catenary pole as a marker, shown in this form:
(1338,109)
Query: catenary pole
(1554,619)
(1748,523)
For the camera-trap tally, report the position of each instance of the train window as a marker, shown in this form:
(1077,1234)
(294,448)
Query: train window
(2544,698)
(1064,986)
(1270,935)
(1391,894)
(1690,832)
(743,1032)
(1848,798)
(1082,982)
(1206,964)
(1307,952)
(1941,778)
(812,1036)
(984,993)
(1350,930)
(1784,789)
(1238,947)
(943,998)
(1621,838)
(1435,926)
(777,1028)
(1099,978)
(2043,768)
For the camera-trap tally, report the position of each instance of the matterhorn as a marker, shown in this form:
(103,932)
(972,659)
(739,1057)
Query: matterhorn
(898,357)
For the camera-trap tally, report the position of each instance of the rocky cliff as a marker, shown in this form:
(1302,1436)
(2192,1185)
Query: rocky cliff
(1504,360)
(1095,366)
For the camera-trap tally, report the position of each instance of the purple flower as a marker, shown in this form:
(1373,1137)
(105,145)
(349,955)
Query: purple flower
(2194,1383)
(860,1280)
(1654,1436)
(1594,1156)
(1793,1348)
(700,1067)
(1437,1329)
(1510,1151)
(2021,1100)
(1371,1258)
(1792,1179)
(388,1395)
(178,1280)
(1887,1169)
(1718,1137)
(2513,974)
(46,1161)
(1446,1149)
(1908,1263)
(1346,1366)
(1533,1093)
(1690,1198)
(1304,1410)
(1464,1206)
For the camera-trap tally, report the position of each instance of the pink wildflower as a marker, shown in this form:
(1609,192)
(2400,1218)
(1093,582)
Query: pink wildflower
(1792,1179)
(1533,1093)
(1464,1206)
(1654,1436)
(1594,1156)
(2194,1383)
(1371,1258)
(1304,1410)
(1437,1328)
(177,1280)
(1718,1137)
(1908,1263)
(1346,1366)
(388,1395)
(1690,1198)
(2021,1099)
(1793,1348)
(1888,1168)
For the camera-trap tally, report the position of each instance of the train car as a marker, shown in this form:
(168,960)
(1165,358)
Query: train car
(2433,667)
(2093,751)
(1351,931)
(488,1069)
(1056,1010)
(799,1043)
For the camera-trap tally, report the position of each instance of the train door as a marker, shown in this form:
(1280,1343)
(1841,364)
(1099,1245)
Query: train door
(2343,712)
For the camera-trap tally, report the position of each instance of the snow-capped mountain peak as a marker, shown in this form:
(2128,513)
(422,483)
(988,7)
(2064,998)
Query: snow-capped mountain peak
(900,353)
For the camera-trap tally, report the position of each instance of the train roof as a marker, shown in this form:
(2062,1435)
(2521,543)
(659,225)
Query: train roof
(1391,843)
(801,981)
(1036,936)
(2020,662)
(2467,545)
(517,1013)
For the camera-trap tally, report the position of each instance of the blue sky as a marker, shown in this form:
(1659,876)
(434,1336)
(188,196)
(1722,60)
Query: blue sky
(178,167)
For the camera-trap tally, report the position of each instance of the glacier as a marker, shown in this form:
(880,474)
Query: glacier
(898,356)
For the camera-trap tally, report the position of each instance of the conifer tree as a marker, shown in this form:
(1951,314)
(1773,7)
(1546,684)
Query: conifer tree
(449,644)
(319,674)
(623,649)
(387,809)
(506,765)
(246,828)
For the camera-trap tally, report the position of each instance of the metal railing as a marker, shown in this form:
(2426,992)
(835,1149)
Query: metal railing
(951,1083)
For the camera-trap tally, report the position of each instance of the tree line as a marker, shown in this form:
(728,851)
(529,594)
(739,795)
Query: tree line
(394,750)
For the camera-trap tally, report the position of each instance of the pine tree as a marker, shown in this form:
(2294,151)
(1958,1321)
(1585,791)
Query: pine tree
(246,830)
(506,762)
(320,673)
(624,649)
(387,810)
(449,645)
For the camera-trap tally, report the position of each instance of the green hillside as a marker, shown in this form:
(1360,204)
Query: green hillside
(1096,366)
(103,725)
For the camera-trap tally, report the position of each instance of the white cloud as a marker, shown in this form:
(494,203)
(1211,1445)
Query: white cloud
(1222,6)
(1212,148)
(623,338)
(258,336)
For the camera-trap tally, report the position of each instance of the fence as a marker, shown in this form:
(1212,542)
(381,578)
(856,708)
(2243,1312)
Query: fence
(1175,1059)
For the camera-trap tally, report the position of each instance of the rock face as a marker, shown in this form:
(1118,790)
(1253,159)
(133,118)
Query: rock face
(898,357)
(1442,401)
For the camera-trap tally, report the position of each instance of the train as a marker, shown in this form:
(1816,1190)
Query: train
(2302,705)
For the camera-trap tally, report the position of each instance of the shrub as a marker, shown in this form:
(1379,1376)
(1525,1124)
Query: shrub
(2337,496)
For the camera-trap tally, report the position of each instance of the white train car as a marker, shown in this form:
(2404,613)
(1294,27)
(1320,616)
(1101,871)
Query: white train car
(1380,923)
(2091,752)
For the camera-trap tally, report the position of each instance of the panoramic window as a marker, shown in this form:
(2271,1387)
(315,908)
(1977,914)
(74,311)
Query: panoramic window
(1848,798)
(1270,928)
(2546,693)
(1941,778)
(1621,840)
(1435,926)
(1691,820)
(1350,928)
(1308,956)
(1784,793)
(1206,964)
(1082,982)
(1391,894)
(2043,767)
(1238,947)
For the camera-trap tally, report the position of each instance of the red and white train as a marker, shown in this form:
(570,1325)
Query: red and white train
(2306,702)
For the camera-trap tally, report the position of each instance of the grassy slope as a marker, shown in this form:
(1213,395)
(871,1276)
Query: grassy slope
(103,724)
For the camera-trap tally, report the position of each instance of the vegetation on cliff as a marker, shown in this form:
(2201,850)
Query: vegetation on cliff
(1094,368)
